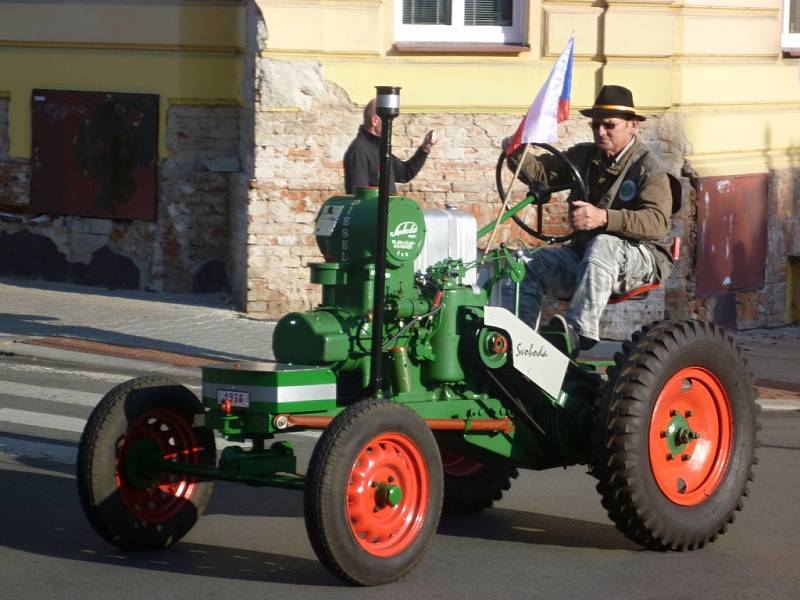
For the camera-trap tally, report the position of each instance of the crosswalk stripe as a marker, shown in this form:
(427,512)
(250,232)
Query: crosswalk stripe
(778,405)
(39,450)
(39,392)
(36,419)
(68,455)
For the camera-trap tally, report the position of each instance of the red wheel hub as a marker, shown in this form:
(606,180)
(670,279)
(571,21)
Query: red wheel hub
(167,494)
(690,437)
(387,494)
(458,465)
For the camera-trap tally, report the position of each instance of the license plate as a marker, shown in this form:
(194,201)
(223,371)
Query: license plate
(237,399)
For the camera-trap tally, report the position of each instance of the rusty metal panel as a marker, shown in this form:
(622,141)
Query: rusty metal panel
(731,233)
(94,154)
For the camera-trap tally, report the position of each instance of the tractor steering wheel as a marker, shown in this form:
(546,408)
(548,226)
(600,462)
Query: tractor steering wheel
(542,193)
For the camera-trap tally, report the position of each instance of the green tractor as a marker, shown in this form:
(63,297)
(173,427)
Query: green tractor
(429,400)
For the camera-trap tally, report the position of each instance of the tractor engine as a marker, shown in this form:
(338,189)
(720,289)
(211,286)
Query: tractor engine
(426,254)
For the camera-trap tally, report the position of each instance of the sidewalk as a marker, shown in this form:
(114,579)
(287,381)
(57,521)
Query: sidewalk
(91,325)
(87,324)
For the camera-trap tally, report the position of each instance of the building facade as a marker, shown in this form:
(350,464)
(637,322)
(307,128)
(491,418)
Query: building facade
(257,102)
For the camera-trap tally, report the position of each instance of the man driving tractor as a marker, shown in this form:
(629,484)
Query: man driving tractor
(623,227)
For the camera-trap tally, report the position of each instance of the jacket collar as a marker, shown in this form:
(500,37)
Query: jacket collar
(371,137)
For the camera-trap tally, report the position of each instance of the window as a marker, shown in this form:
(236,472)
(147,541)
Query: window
(790,36)
(497,21)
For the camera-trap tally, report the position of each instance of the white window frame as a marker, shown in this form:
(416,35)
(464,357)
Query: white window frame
(789,41)
(457,32)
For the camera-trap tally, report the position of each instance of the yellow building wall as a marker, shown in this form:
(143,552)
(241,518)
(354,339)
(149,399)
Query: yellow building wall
(186,52)
(716,62)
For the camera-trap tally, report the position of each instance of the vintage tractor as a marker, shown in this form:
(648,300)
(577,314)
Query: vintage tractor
(429,400)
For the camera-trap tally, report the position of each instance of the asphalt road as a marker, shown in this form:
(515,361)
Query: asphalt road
(548,538)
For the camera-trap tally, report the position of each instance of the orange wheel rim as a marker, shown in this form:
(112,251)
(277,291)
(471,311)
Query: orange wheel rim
(690,436)
(387,495)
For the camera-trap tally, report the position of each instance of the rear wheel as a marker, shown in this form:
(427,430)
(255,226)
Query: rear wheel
(373,492)
(470,486)
(128,504)
(675,436)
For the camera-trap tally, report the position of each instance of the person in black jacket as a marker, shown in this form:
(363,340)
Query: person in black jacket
(361,160)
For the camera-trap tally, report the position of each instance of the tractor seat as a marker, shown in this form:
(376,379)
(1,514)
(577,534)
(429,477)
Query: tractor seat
(641,292)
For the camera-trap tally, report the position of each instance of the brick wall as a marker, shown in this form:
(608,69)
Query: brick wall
(195,195)
(3,129)
(186,249)
(302,129)
(14,174)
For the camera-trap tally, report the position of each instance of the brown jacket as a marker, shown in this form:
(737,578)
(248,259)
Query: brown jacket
(635,192)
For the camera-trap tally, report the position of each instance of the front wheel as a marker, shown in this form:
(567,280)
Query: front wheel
(373,493)
(127,503)
(675,436)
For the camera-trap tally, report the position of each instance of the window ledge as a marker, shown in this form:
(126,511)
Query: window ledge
(459,48)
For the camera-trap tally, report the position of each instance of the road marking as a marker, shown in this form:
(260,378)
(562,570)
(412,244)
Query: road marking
(779,405)
(36,419)
(38,392)
(59,453)
(39,450)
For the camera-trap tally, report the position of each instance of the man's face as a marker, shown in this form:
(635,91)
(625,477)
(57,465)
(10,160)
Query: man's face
(611,135)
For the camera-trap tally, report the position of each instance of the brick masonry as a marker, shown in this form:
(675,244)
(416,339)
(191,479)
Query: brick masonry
(4,129)
(186,249)
(14,174)
(301,133)
(240,189)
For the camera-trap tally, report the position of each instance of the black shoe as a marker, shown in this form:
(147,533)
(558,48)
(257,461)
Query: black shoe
(586,343)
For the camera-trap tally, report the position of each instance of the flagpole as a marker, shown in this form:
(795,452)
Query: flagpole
(505,202)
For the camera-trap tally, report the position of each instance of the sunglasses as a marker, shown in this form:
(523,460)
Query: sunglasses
(607,126)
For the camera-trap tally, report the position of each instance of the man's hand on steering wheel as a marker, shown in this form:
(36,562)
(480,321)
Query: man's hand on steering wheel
(541,191)
(584,216)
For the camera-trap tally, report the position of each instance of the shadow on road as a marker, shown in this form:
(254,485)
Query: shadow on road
(48,521)
(535,528)
(44,326)
(210,299)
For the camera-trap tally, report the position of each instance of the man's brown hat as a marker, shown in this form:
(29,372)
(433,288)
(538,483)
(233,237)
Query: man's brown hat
(613,101)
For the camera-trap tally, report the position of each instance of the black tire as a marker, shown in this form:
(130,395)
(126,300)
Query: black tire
(342,499)
(471,486)
(662,487)
(157,513)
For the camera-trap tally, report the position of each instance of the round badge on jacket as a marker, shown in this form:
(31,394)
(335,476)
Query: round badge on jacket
(627,191)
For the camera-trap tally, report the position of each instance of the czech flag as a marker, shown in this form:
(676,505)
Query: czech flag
(551,105)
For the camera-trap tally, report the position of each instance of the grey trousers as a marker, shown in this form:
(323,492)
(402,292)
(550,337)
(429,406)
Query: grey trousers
(609,265)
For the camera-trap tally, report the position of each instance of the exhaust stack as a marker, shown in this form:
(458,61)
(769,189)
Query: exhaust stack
(387,107)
